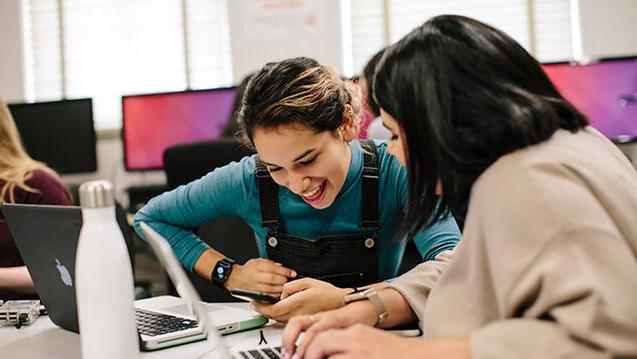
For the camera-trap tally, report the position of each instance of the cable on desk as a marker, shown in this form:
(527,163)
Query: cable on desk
(262,340)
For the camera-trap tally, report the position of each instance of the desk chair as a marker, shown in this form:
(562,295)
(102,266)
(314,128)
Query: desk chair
(231,236)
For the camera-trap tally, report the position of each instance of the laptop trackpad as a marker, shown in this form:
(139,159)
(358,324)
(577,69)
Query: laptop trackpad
(217,312)
(182,309)
(230,315)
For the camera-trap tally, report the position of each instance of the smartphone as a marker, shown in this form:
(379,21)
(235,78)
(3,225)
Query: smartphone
(409,333)
(248,295)
(409,330)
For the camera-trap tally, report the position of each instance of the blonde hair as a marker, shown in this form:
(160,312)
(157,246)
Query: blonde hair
(16,167)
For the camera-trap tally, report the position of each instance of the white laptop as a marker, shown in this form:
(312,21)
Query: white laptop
(210,319)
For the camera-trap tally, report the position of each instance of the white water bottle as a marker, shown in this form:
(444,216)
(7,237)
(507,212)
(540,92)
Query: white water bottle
(104,279)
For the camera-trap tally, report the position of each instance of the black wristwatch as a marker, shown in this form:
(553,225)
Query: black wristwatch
(221,271)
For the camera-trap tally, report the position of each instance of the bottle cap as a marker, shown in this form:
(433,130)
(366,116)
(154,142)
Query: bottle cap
(96,194)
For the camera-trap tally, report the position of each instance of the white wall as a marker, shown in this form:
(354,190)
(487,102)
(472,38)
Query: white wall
(11,76)
(608,27)
(265,31)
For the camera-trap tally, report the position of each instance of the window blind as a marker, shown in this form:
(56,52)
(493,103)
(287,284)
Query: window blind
(507,15)
(541,26)
(42,51)
(209,43)
(552,22)
(118,47)
(368,31)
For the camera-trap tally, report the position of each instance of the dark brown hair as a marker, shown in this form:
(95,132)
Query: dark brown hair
(294,91)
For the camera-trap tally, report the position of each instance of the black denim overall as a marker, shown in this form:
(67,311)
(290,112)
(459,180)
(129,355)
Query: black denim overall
(345,260)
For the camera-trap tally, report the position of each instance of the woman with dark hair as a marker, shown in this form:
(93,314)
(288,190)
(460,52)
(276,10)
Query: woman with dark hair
(548,263)
(322,205)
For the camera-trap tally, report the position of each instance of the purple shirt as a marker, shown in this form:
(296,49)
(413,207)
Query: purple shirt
(49,191)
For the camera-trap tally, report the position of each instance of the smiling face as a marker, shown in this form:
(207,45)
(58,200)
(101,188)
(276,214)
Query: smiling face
(311,164)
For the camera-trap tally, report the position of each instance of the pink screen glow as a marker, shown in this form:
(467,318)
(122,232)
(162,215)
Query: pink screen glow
(152,123)
(606,92)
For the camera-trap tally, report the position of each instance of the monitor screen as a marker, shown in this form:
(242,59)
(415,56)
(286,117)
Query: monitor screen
(154,122)
(59,133)
(605,91)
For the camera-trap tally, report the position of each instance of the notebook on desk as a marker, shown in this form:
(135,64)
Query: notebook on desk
(46,237)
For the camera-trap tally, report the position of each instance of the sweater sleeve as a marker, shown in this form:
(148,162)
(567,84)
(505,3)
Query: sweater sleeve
(442,235)
(563,272)
(416,284)
(574,300)
(49,190)
(219,194)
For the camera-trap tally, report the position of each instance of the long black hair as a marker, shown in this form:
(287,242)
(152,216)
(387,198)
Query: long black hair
(464,94)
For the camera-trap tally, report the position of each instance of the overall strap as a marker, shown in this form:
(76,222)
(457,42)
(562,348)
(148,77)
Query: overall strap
(369,193)
(268,198)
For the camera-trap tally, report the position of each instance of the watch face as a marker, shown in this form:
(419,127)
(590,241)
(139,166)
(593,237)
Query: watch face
(221,272)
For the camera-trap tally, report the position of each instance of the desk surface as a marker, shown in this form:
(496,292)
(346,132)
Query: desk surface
(43,339)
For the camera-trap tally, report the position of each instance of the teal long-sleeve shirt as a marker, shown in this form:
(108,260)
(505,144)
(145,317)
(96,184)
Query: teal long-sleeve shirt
(232,191)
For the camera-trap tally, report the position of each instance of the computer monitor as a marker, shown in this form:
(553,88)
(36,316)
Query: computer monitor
(154,122)
(58,133)
(605,91)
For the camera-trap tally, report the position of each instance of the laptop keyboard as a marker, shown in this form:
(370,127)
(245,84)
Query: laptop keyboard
(153,324)
(262,353)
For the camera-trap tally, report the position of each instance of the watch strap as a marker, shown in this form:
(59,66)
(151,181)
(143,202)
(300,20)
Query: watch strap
(379,307)
(372,295)
(353,296)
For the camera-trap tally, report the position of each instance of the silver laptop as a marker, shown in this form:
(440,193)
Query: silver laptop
(46,237)
(187,291)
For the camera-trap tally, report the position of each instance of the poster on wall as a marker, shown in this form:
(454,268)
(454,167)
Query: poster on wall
(274,20)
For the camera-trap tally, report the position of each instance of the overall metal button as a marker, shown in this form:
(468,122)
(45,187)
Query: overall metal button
(272,241)
(369,243)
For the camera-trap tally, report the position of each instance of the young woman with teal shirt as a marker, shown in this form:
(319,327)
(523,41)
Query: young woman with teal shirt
(303,196)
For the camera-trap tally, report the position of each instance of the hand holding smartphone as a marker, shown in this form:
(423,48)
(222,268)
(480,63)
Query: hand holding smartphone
(249,295)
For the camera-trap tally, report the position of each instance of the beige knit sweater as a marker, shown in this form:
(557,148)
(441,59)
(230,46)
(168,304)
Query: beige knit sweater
(547,266)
